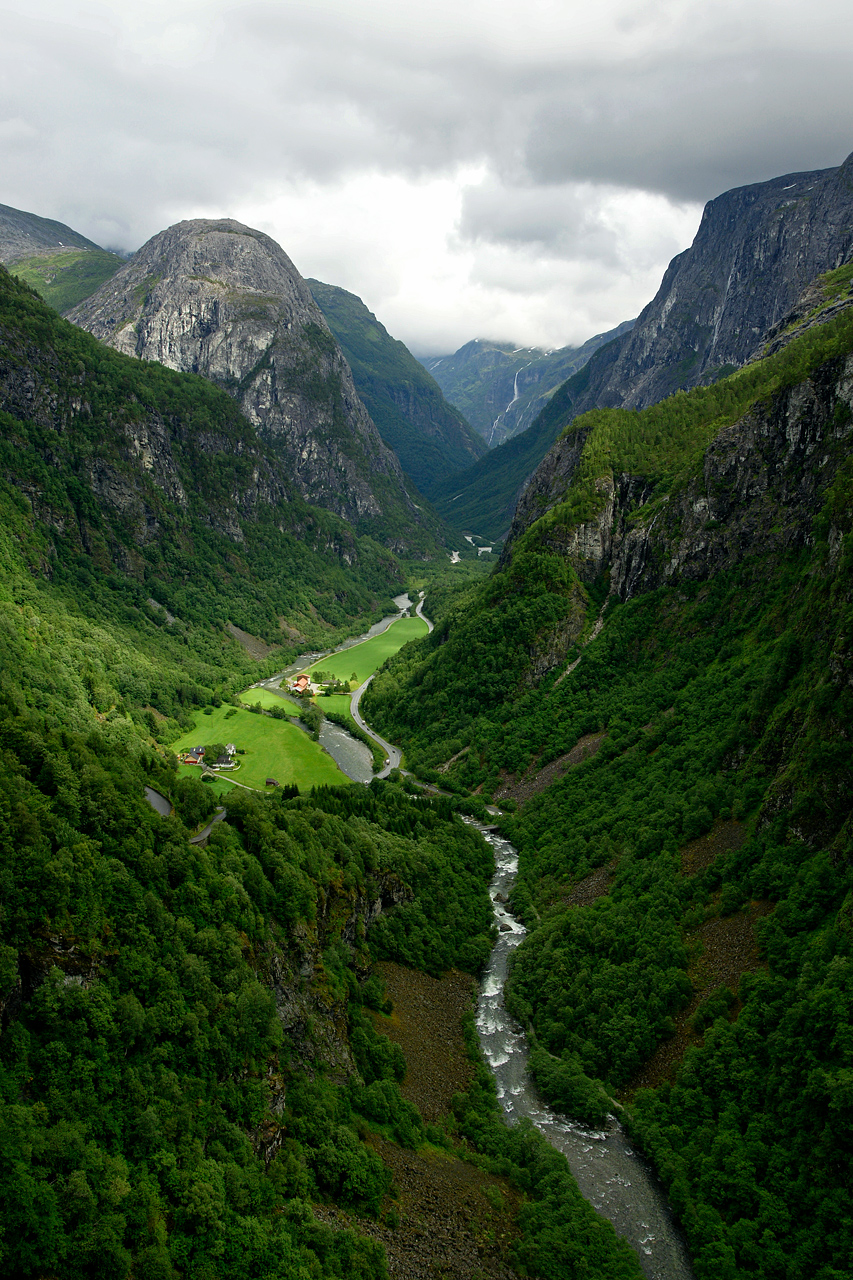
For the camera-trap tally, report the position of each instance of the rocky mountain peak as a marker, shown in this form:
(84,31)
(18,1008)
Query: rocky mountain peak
(757,248)
(214,297)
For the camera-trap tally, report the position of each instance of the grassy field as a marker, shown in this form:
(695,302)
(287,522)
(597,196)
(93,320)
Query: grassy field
(219,788)
(274,749)
(339,702)
(267,699)
(365,658)
(65,278)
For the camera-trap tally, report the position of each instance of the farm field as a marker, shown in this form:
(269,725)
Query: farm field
(339,702)
(274,749)
(266,698)
(365,658)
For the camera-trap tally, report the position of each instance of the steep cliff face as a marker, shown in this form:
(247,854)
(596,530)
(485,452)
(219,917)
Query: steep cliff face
(147,471)
(756,250)
(219,299)
(760,486)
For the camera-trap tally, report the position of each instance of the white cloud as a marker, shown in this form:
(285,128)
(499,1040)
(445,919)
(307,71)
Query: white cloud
(467,168)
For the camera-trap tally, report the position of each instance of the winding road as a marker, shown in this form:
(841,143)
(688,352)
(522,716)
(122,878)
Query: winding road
(393,755)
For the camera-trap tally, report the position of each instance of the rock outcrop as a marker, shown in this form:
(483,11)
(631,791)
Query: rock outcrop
(762,483)
(216,298)
(756,250)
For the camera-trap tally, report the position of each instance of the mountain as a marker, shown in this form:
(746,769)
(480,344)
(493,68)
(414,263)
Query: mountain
(217,298)
(429,436)
(501,388)
(23,235)
(482,498)
(658,682)
(151,482)
(756,250)
(64,266)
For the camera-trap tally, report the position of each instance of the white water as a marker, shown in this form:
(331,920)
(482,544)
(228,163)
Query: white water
(616,1181)
(512,401)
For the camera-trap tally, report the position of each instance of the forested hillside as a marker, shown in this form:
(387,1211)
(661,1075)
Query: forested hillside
(430,437)
(114,465)
(658,680)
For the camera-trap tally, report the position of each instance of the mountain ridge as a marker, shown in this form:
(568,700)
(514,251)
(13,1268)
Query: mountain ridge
(430,437)
(215,297)
(503,387)
(711,308)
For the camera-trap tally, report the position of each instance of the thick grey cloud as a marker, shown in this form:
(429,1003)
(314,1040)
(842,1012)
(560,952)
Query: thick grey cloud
(579,143)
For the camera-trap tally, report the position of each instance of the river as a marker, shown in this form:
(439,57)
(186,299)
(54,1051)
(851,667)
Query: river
(616,1181)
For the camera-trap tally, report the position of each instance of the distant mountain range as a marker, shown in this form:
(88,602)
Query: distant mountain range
(501,387)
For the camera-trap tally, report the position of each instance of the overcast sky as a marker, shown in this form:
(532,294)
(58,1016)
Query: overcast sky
(470,168)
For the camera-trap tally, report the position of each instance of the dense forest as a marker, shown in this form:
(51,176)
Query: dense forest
(674,742)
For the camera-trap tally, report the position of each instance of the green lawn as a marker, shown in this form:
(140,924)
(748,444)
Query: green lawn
(339,702)
(365,658)
(219,787)
(267,698)
(274,749)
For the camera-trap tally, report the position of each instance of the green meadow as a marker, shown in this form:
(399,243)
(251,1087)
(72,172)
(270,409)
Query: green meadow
(339,702)
(267,699)
(274,749)
(365,658)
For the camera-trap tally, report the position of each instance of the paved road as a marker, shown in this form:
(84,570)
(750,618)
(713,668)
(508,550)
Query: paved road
(219,816)
(420,612)
(393,755)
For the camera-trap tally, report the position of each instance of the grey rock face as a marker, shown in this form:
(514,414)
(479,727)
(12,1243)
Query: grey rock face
(756,250)
(761,485)
(216,298)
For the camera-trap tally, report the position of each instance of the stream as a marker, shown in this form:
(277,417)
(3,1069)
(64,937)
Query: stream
(616,1181)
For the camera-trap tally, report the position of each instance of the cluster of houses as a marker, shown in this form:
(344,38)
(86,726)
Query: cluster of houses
(225,761)
(324,682)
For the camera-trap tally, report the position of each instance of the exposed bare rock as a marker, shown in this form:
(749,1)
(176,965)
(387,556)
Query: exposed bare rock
(760,486)
(756,250)
(216,298)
